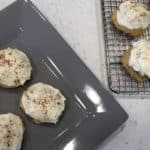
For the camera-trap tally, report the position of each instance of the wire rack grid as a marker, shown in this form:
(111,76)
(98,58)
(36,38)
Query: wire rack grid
(115,45)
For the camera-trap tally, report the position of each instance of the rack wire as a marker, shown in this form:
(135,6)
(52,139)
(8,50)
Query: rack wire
(115,45)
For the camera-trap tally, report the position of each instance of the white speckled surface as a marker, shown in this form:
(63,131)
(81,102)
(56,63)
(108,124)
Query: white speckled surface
(77,22)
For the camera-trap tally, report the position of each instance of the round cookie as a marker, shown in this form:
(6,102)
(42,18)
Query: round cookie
(15,68)
(131,18)
(43,103)
(136,60)
(131,32)
(11,132)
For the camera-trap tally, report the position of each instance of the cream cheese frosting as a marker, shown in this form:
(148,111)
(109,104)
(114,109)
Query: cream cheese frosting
(140,57)
(43,103)
(15,68)
(11,132)
(133,15)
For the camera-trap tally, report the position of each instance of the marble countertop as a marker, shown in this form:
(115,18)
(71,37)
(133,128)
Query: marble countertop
(79,22)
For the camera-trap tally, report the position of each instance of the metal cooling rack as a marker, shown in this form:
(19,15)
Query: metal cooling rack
(115,45)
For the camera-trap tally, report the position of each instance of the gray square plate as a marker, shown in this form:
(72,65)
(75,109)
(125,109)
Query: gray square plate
(91,113)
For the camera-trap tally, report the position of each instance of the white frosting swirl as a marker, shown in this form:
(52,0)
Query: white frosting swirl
(140,57)
(133,15)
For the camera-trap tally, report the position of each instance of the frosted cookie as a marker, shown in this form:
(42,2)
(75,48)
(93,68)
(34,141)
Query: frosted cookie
(15,68)
(136,60)
(131,18)
(11,132)
(43,103)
